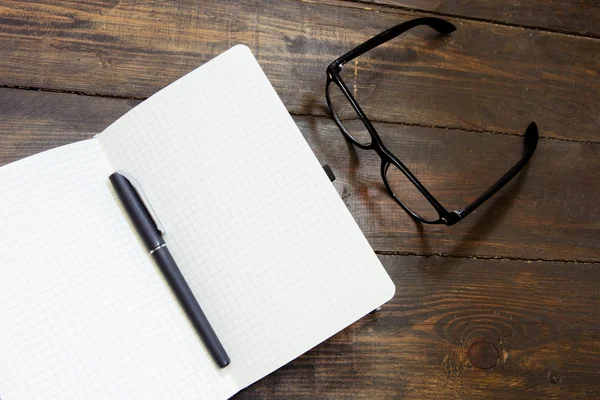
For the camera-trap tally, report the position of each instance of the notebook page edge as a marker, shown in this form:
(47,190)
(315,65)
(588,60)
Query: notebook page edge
(42,154)
(104,137)
(389,294)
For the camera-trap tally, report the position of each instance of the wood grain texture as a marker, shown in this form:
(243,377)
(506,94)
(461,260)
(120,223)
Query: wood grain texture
(542,318)
(549,212)
(484,77)
(33,121)
(580,17)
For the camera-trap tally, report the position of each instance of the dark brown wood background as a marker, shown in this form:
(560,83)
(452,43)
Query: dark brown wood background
(504,304)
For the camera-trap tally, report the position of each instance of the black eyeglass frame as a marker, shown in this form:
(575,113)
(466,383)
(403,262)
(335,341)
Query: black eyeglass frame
(388,158)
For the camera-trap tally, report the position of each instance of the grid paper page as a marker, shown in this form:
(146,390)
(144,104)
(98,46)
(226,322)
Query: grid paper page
(84,312)
(268,247)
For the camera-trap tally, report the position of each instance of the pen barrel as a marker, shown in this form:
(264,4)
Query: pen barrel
(189,303)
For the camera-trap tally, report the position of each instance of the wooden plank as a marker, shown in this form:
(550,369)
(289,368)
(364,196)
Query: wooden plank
(579,17)
(549,212)
(484,77)
(535,326)
(34,121)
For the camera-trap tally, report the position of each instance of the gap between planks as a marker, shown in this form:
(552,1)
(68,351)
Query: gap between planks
(142,98)
(467,257)
(370,6)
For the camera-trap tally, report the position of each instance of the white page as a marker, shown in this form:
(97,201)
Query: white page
(84,312)
(268,247)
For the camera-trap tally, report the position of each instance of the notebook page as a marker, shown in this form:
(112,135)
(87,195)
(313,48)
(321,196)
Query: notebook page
(84,312)
(268,247)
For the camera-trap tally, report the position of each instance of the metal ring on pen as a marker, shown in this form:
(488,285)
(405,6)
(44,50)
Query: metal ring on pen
(158,247)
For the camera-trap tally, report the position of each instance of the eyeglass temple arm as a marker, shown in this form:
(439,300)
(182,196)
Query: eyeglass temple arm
(530,144)
(443,27)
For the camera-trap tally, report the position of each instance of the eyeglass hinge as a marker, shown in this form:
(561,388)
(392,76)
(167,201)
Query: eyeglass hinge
(335,66)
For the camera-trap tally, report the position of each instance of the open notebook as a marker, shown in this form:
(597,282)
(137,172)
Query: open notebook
(269,249)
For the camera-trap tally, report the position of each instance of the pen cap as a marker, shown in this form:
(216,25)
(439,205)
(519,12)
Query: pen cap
(137,211)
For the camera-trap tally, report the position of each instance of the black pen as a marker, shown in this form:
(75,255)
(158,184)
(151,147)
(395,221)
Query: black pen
(156,246)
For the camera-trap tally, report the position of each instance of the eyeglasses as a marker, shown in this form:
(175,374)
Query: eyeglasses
(400,182)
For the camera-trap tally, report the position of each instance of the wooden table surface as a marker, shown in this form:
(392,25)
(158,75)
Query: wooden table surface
(504,304)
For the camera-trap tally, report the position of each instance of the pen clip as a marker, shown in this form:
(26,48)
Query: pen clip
(138,188)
